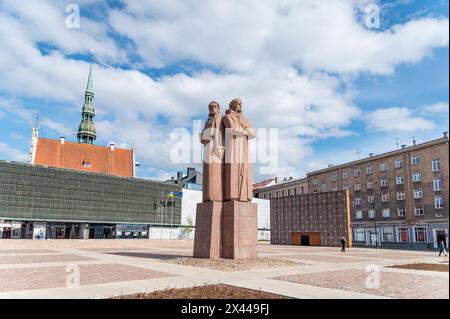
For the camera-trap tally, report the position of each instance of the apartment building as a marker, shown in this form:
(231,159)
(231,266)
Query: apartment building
(275,189)
(397,199)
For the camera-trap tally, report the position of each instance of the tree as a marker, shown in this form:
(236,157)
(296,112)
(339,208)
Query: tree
(187,229)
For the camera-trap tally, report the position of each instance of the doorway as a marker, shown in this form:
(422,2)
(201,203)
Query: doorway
(6,232)
(304,240)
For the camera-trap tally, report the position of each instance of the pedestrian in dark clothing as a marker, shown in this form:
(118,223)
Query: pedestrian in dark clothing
(343,243)
(441,248)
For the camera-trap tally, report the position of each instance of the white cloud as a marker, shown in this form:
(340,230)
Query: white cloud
(60,128)
(9,153)
(259,54)
(437,108)
(45,22)
(397,119)
(247,35)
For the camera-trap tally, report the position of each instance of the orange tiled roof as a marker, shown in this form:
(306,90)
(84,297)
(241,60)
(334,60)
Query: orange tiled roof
(84,157)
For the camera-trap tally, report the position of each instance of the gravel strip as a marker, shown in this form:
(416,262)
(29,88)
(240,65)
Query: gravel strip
(223,264)
(205,292)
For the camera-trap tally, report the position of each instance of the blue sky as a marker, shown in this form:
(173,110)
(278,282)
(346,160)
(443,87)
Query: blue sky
(314,70)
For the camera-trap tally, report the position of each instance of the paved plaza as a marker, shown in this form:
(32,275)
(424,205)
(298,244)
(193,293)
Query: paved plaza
(106,268)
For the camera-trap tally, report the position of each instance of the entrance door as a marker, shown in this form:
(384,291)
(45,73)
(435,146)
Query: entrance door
(304,240)
(6,232)
(59,233)
(374,239)
(67,233)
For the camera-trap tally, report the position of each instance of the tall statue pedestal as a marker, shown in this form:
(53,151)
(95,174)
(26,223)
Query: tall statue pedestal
(239,230)
(207,240)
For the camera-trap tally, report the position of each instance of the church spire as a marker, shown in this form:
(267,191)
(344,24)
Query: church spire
(86,130)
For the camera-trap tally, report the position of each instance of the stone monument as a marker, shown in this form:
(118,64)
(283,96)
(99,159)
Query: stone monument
(226,220)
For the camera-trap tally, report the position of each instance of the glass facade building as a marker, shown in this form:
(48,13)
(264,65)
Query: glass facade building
(34,193)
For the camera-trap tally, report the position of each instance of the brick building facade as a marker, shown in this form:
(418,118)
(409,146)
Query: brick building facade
(310,219)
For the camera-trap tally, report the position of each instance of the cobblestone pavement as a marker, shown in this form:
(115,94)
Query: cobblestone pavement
(50,269)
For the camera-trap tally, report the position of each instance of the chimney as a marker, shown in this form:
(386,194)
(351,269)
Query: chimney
(179,175)
(414,141)
(172,178)
(276,180)
(291,178)
(371,154)
(111,146)
(62,139)
(445,134)
(403,146)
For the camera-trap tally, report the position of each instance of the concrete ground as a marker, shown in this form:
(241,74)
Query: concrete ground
(105,268)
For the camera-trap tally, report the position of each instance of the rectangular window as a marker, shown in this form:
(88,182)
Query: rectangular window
(436,165)
(400,195)
(370,199)
(403,234)
(415,159)
(399,180)
(398,163)
(388,234)
(334,178)
(383,167)
(345,187)
(438,202)
(357,200)
(335,189)
(302,189)
(385,198)
(357,172)
(386,212)
(401,212)
(384,182)
(359,214)
(357,187)
(344,175)
(418,211)
(417,177)
(418,193)
(437,184)
(420,234)
(369,185)
(360,234)
(371,213)
(314,181)
(369,170)
(324,187)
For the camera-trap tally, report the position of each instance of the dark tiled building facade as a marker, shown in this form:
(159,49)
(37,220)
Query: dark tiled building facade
(397,199)
(76,204)
(320,216)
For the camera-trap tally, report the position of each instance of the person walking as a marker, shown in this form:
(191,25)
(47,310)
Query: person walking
(343,243)
(441,248)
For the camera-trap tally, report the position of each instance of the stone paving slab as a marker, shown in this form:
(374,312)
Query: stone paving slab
(26,251)
(54,277)
(394,285)
(152,255)
(23,259)
(325,258)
